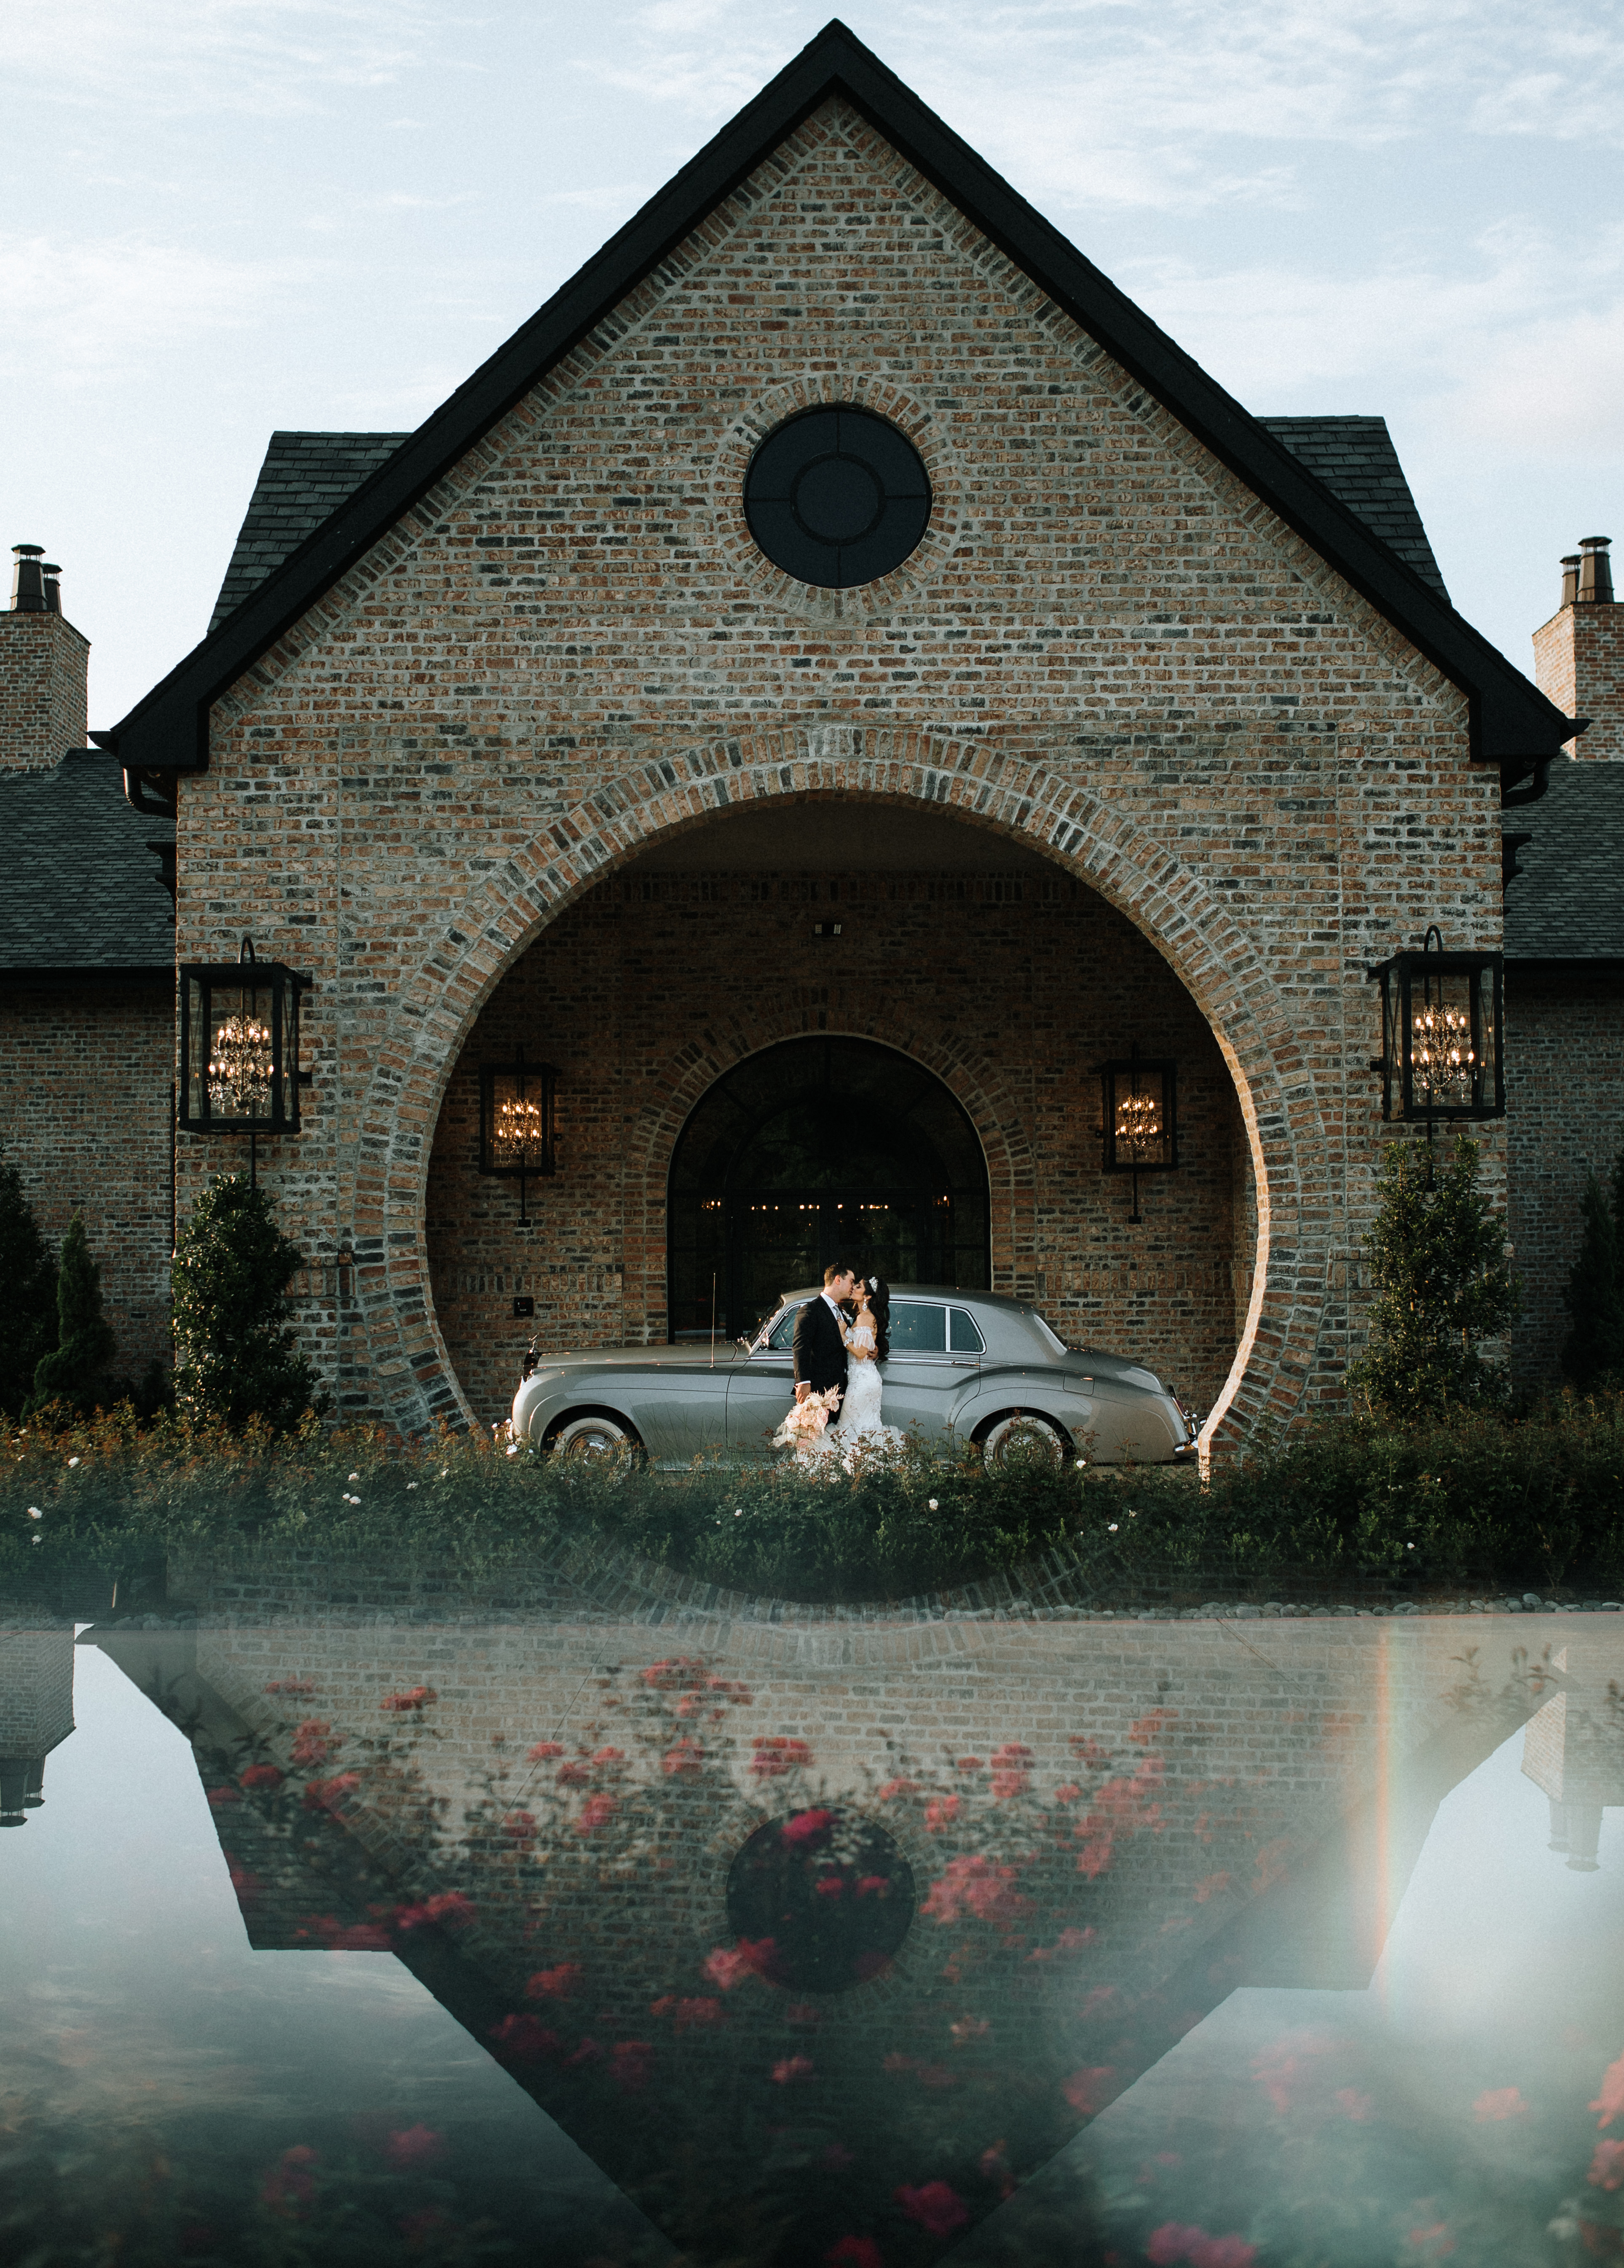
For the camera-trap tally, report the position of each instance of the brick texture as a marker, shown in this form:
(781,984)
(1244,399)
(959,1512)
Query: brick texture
(1105,651)
(84,1107)
(1579,662)
(44,664)
(1565,1114)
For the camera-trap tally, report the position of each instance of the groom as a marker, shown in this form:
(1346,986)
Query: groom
(819,1336)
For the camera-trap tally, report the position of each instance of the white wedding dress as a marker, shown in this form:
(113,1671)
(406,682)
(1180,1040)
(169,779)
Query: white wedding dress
(862,1429)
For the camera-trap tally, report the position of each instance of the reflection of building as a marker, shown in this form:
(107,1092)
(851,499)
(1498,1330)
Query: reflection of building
(1164,734)
(1574,1750)
(36,1711)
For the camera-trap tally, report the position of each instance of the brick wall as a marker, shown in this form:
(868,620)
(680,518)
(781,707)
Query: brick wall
(36,1689)
(44,663)
(1104,651)
(1579,662)
(1565,1117)
(1014,986)
(85,1113)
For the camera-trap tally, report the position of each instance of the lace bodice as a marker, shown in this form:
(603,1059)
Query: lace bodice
(860,1338)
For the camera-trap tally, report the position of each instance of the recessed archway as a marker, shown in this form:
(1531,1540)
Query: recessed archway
(820,1148)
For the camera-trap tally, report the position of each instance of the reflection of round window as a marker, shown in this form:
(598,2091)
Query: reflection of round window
(823,1900)
(837,497)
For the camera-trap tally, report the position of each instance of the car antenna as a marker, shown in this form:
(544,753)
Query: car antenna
(713,1319)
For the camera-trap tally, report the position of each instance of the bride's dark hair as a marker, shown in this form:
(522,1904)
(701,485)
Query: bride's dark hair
(879,1308)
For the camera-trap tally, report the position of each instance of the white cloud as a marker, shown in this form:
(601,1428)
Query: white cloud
(78,310)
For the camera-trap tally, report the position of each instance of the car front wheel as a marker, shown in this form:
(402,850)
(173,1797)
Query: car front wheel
(1021,1441)
(592,1439)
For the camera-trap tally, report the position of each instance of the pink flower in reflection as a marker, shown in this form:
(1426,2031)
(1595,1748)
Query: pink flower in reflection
(830,1886)
(935,2207)
(1607,2166)
(524,2038)
(544,1751)
(555,1984)
(793,2067)
(686,1761)
(974,1885)
(730,1965)
(596,1812)
(1175,2241)
(1496,2102)
(855,2252)
(291,2183)
(689,2013)
(330,1794)
(1089,2091)
(1069,1941)
(806,1826)
(265,1776)
(1359,2108)
(414,2145)
(519,1826)
(896,1787)
(450,1908)
(1610,2102)
(220,1796)
(404,1704)
(941,1812)
(573,1775)
(773,1756)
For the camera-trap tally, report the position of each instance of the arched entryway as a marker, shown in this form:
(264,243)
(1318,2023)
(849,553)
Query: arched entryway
(820,1147)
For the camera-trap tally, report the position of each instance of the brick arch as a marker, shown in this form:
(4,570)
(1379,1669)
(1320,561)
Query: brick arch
(691,1071)
(408,1370)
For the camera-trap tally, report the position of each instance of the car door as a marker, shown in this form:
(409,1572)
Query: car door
(932,1360)
(678,1403)
(761,1387)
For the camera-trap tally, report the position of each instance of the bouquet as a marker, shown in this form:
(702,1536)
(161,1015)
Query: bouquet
(805,1421)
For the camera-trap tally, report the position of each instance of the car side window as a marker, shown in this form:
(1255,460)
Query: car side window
(917,1328)
(782,1335)
(964,1338)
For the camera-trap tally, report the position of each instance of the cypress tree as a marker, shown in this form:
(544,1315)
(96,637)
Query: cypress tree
(27,1294)
(235,1356)
(1444,1284)
(1593,1355)
(76,1372)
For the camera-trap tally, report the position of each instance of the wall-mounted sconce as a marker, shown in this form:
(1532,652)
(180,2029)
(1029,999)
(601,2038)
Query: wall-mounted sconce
(1443,1017)
(1140,1126)
(517,1132)
(240,1048)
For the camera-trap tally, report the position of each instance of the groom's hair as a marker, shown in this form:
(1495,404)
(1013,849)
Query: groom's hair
(838,1268)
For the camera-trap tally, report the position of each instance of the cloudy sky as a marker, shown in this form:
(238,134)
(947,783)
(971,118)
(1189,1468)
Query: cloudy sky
(225,216)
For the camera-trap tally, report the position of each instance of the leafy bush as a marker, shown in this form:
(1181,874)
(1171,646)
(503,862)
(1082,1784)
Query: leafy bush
(235,1359)
(28,1311)
(1594,1298)
(76,1371)
(1444,1284)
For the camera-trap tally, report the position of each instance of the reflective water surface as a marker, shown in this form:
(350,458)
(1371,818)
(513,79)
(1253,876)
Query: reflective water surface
(350,1929)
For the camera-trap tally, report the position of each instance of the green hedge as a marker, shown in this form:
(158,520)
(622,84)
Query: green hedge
(1470,1498)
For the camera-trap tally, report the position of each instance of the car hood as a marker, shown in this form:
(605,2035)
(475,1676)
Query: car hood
(639,1357)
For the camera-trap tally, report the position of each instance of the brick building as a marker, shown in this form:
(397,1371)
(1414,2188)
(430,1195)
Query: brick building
(827,886)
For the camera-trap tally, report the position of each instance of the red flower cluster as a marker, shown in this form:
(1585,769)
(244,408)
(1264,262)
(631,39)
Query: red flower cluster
(313,1741)
(688,2013)
(596,1812)
(731,1965)
(855,2252)
(890,1792)
(773,1756)
(218,1796)
(1607,2166)
(1610,2101)
(686,1761)
(265,1776)
(793,2067)
(291,2183)
(450,1908)
(1119,1809)
(806,1826)
(1069,1941)
(525,2038)
(936,2207)
(555,1984)
(1173,2241)
(419,1697)
(290,1685)
(941,1812)
(1089,2091)
(414,2145)
(544,1751)
(976,1886)
(329,1795)
(519,1826)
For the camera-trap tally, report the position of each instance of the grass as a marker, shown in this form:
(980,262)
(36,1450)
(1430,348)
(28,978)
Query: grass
(1471,1498)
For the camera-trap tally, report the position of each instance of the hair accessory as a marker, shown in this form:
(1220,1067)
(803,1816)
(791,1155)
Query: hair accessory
(873,1283)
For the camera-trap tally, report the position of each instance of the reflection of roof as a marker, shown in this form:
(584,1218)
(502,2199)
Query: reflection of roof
(1566,902)
(83,876)
(1512,723)
(1355,458)
(303,478)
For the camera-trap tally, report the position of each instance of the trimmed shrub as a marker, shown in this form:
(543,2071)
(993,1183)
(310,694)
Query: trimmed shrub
(77,1371)
(236,1358)
(1445,1284)
(27,1294)
(1593,1355)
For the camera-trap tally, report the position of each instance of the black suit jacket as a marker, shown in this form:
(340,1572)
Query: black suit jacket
(820,1350)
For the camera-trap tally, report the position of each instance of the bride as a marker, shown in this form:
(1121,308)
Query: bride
(868,1342)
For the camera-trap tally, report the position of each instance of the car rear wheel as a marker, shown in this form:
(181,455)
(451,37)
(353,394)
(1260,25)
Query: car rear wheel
(1020,1441)
(590,1438)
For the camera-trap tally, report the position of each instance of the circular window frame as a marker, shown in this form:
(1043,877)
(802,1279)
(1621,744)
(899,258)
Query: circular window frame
(796,454)
(757,422)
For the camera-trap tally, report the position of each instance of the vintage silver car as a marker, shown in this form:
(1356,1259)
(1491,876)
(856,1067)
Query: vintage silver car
(964,1367)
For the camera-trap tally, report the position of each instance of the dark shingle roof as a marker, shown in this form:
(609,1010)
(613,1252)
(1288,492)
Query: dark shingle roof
(1355,458)
(1566,902)
(305,477)
(83,887)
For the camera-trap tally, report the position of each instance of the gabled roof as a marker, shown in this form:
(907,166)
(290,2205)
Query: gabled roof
(1512,723)
(1566,900)
(1355,458)
(304,478)
(84,894)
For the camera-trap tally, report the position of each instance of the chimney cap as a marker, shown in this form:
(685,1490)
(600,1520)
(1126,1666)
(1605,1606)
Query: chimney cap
(29,551)
(1594,543)
(47,567)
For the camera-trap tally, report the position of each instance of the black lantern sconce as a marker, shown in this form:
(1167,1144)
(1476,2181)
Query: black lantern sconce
(1140,1126)
(1443,1017)
(517,1132)
(240,1048)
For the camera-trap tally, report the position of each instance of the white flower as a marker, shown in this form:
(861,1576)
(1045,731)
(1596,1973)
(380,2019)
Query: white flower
(71,1463)
(1409,1547)
(34,1513)
(738,1513)
(1081,1462)
(351,1499)
(37,1539)
(355,1476)
(445,1472)
(513,1452)
(411,1484)
(934,1507)
(1112,1529)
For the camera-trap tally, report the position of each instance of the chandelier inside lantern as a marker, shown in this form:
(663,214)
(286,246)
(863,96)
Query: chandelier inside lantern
(521,1132)
(1139,1128)
(241,1067)
(1444,1059)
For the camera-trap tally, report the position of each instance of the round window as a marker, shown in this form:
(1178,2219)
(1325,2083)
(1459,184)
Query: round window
(821,1900)
(837,497)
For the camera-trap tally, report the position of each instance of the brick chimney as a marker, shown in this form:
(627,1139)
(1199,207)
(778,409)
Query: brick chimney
(1579,653)
(44,665)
